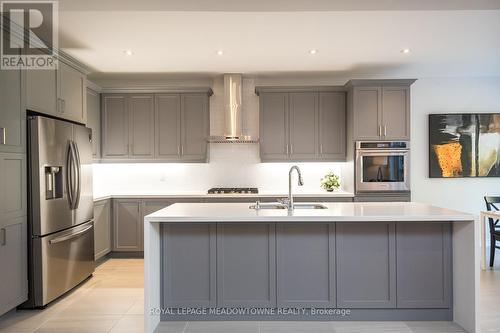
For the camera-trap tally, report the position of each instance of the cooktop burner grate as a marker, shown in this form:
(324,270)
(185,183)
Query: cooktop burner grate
(233,190)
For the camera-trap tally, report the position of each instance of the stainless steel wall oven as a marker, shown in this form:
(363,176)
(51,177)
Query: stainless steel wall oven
(382,166)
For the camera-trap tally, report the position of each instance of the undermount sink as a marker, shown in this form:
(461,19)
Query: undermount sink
(284,206)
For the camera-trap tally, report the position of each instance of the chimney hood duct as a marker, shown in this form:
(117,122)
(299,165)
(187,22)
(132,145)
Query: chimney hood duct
(233,109)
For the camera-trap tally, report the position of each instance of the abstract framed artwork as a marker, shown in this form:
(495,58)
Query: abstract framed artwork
(464,145)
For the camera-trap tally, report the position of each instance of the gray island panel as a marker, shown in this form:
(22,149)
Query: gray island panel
(366,265)
(305,265)
(246,265)
(188,265)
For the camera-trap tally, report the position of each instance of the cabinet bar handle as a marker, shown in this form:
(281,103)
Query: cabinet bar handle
(4,236)
(321,149)
(286,149)
(385,130)
(379,130)
(3,136)
(291,149)
(182,149)
(178,150)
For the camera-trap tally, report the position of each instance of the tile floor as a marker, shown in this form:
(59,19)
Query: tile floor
(112,301)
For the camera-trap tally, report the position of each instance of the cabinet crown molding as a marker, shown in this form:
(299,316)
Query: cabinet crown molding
(379,82)
(288,89)
(157,89)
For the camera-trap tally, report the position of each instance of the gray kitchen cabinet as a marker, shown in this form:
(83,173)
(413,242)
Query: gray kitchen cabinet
(367,106)
(424,261)
(305,262)
(246,271)
(141,126)
(380,109)
(102,228)
(13,260)
(13,196)
(94,121)
(150,206)
(194,127)
(332,126)
(366,265)
(72,86)
(12,111)
(146,127)
(303,126)
(168,126)
(41,91)
(127,224)
(396,112)
(273,127)
(115,126)
(189,265)
(60,93)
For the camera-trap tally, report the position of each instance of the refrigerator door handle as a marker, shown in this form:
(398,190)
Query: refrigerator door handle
(69,175)
(70,236)
(78,168)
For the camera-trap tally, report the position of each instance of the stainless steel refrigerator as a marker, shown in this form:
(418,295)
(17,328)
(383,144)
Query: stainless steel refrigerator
(60,203)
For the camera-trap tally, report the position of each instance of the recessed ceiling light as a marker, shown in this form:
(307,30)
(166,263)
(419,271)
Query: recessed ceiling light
(128,52)
(405,51)
(313,51)
(220,52)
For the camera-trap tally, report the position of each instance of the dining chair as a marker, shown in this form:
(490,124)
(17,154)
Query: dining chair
(493,204)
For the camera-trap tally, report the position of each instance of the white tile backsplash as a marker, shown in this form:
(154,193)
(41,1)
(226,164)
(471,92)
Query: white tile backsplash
(230,165)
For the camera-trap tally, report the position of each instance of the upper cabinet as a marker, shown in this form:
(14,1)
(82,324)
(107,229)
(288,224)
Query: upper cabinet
(72,86)
(60,93)
(273,126)
(380,109)
(194,127)
(12,111)
(146,127)
(94,121)
(141,126)
(168,126)
(302,124)
(115,126)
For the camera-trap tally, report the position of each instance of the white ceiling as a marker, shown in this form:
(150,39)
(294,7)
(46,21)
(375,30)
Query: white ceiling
(443,42)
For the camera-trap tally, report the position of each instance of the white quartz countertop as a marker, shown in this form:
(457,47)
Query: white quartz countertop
(203,194)
(357,211)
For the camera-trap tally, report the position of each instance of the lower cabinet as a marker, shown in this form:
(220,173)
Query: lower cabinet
(13,260)
(366,264)
(246,265)
(424,278)
(357,265)
(305,261)
(102,228)
(127,225)
(188,261)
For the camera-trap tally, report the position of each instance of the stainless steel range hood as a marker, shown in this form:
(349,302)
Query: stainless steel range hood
(233,109)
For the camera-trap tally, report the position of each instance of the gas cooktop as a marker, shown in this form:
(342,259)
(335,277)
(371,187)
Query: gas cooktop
(233,190)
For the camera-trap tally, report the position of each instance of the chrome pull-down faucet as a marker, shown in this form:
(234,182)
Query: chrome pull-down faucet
(300,183)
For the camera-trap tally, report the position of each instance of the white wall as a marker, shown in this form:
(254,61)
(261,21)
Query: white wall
(452,95)
(230,165)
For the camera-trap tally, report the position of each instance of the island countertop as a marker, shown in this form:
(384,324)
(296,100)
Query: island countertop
(334,212)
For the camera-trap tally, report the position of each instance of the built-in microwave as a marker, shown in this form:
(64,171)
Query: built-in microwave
(382,166)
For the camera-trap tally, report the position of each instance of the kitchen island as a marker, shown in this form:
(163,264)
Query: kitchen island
(340,261)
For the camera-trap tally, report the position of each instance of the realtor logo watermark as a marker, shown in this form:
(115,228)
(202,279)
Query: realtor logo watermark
(29,35)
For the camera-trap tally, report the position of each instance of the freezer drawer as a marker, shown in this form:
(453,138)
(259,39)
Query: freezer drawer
(66,259)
